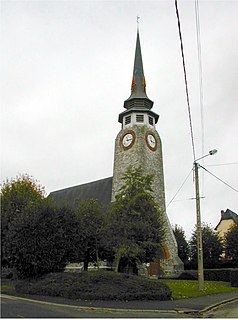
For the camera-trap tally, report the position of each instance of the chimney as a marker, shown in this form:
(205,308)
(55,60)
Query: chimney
(222,213)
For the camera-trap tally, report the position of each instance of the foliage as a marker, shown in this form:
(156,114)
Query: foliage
(92,237)
(137,230)
(189,288)
(212,247)
(217,274)
(234,278)
(209,274)
(40,240)
(188,275)
(18,195)
(231,245)
(183,248)
(98,285)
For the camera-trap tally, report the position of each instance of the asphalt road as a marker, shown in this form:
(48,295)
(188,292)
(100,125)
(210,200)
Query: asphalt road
(16,307)
(228,310)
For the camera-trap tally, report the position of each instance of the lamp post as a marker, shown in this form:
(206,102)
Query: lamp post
(199,225)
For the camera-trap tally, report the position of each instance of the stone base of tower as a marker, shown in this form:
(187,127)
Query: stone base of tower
(165,268)
(171,268)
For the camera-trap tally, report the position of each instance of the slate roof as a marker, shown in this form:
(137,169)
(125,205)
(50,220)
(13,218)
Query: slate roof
(100,189)
(138,87)
(227,215)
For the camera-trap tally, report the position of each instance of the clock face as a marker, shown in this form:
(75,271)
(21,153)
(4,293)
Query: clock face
(128,139)
(151,141)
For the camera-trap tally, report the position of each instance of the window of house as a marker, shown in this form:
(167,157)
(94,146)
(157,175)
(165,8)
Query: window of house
(139,118)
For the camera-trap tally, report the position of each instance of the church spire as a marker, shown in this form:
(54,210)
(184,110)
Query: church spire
(138,97)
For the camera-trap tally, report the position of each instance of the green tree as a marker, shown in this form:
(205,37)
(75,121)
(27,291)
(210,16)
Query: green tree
(91,236)
(136,228)
(183,248)
(212,247)
(41,240)
(17,196)
(231,245)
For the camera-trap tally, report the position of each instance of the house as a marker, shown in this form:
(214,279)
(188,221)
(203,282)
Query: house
(228,220)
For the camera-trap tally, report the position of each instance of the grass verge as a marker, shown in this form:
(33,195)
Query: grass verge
(7,285)
(182,289)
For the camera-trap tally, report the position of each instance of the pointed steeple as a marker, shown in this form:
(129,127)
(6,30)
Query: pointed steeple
(138,97)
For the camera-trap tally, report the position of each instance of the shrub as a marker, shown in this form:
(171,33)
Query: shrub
(7,273)
(234,278)
(100,285)
(188,275)
(209,275)
(217,275)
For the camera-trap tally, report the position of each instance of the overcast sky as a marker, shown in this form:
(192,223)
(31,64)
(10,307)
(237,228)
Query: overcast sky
(66,69)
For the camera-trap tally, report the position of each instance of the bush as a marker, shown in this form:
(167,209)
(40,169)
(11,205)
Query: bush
(209,275)
(100,285)
(7,273)
(188,275)
(234,278)
(217,275)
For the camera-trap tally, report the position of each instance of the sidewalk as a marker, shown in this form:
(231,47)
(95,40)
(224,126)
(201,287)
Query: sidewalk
(196,305)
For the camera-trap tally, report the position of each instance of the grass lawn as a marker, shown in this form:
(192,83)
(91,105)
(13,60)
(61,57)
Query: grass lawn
(7,285)
(189,288)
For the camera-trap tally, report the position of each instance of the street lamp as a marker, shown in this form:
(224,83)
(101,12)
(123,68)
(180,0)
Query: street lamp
(199,225)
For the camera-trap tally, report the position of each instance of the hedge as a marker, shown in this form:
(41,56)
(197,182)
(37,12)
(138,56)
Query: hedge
(234,278)
(209,274)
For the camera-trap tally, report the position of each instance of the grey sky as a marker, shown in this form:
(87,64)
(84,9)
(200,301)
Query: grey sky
(66,70)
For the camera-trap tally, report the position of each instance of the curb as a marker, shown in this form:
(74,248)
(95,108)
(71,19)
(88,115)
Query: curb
(213,306)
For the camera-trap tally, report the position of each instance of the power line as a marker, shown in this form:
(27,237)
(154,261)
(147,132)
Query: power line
(219,179)
(179,188)
(221,164)
(199,49)
(199,56)
(186,82)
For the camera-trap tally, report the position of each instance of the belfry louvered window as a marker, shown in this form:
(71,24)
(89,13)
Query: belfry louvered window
(127,119)
(151,121)
(139,118)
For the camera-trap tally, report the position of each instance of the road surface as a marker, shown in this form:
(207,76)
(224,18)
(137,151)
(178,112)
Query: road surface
(17,307)
(228,310)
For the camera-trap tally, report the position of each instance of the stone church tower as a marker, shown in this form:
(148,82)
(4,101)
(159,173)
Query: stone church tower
(138,144)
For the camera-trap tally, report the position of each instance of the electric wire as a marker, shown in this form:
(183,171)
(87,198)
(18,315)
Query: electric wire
(186,82)
(200,82)
(179,188)
(221,164)
(199,49)
(219,179)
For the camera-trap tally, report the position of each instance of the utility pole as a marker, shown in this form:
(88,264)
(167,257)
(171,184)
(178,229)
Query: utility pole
(199,225)
(199,231)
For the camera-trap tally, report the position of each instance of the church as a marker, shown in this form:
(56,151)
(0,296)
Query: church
(138,143)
